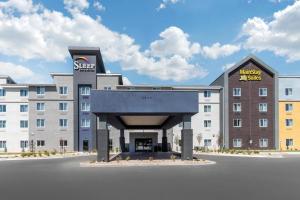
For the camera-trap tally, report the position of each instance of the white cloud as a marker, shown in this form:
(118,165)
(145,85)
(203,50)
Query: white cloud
(126,81)
(217,50)
(46,34)
(99,6)
(17,72)
(281,35)
(75,6)
(228,66)
(164,4)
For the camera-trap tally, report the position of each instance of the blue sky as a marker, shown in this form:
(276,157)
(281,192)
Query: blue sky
(168,42)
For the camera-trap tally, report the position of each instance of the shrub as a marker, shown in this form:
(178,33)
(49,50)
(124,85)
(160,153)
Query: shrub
(173,157)
(53,152)
(23,155)
(40,154)
(127,158)
(150,158)
(118,158)
(93,161)
(46,153)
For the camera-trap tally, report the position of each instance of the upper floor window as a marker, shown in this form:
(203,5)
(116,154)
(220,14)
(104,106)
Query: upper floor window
(63,90)
(40,106)
(2,108)
(263,107)
(40,90)
(237,143)
(85,123)
(207,123)
(23,108)
(24,124)
(289,122)
(2,92)
(263,142)
(85,106)
(263,123)
(237,92)
(263,92)
(289,107)
(86,90)
(23,92)
(237,107)
(207,108)
(2,123)
(40,123)
(288,91)
(63,106)
(107,88)
(63,123)
(207,93)
(237,123)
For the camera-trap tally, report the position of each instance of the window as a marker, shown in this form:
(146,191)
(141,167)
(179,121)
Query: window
(289,142)
(40,123)
(263,123)
(40,106)
(207,108)
(263,92)
(289,122)
(2,92)
(63,123)
(207,94)
(63,90)
(63,143)
(24,144)
(207,142)
(289,107)
(85,106)
(237,123)
(263,107)
(288,91)
(107,88)
(40,143)
(237,143)
(2,123)
(207,123)
(40,90)
(2,144)
(23,108)
(237,92)
(86,90)
(2,108)
(237,107)
(110,144)
(263,142)
(63,106)
(24,124)
(23,93)
(85,123)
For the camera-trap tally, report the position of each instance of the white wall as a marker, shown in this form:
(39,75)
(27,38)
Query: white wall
(199,131)
(13,134)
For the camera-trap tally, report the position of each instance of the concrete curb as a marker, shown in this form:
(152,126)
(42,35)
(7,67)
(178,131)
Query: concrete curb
(242,155)
(39,158)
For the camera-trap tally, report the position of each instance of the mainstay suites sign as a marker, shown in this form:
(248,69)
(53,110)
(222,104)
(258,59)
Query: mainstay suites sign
(250,75)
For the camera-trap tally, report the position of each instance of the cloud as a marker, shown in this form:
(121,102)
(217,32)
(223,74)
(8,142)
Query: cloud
(280,35)
(217,50)
(164,4)
(228,66)
(126,81)
(99,6)
(45,34)
(17,72)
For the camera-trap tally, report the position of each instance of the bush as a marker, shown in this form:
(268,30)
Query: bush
(23,154)
(53,152)
(127,158)
(46,153)
(118,158)
(40,154)
(173,157)
(150,158)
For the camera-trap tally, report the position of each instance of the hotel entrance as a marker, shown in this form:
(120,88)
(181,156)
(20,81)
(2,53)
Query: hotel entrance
(143,145)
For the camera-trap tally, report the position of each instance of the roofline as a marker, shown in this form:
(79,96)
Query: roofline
(8,77)
(109,74)
(183,87)
(60,74)
(289,76)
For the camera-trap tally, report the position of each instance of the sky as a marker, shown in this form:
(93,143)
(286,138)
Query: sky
(157,42)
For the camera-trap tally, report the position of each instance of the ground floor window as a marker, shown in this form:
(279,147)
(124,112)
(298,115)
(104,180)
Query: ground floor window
(63,143)
(24,144)
(85,145)
(2,144)
(207,142)
(263,142)
(110,144)
(40,143)
(289,142)
(237,143)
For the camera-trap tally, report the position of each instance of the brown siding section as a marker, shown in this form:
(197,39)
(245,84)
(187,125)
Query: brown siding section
(250,114)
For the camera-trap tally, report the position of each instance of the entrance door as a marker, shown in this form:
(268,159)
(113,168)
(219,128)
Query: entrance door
(143,145)
(85,145)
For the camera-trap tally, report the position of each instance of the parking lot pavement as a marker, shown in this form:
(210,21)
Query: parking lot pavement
(231,178)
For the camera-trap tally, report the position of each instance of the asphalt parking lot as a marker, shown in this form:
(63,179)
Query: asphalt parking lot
(231,178)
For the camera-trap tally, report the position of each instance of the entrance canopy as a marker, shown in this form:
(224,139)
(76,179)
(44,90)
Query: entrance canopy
(149,109)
